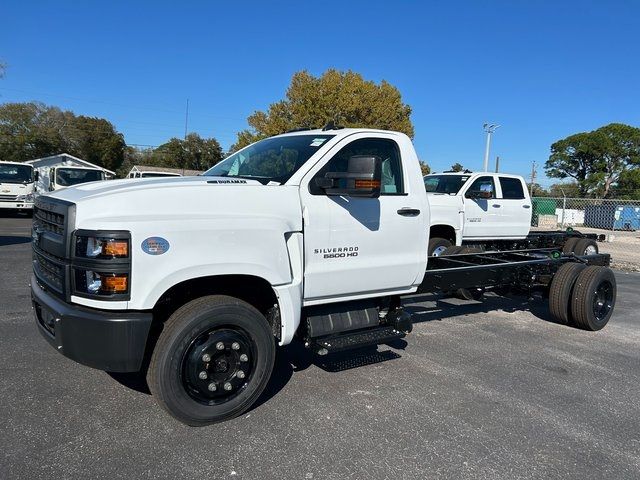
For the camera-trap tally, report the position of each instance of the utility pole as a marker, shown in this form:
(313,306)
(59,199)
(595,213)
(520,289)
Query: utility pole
(497,164)
(533,178)
(186,120)
(489,128)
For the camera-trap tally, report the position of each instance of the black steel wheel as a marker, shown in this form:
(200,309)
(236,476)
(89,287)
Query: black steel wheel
(437,246)
(212,361)
(593,297)
(474,293)
(585,246)
(560,290)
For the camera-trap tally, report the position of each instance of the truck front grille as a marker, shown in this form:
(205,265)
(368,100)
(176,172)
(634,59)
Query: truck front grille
(49,270)
(8,198)
(49,221)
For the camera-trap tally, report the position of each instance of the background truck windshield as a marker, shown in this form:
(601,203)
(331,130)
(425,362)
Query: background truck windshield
(66,177)
(270,160)
(448,184)
(16,173)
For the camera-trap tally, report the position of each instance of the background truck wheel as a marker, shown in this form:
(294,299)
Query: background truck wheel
(212,361)
(570,244)
(452,250)
(586,246)
(560,291)
(470,293)
(593,298)
(437,246)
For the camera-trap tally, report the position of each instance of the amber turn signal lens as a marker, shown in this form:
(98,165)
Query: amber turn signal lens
(116,248)
(114,284)
(367,183)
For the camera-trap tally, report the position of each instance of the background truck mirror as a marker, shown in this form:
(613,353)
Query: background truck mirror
(362,178)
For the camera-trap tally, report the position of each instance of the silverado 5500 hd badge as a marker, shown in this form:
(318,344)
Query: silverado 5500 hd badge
(336,252)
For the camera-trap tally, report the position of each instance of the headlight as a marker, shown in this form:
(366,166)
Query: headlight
(26,198)
(102,247)
(98,283)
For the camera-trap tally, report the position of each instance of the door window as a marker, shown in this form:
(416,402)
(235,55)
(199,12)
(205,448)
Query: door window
(511,188)
(482,184)
(386,149)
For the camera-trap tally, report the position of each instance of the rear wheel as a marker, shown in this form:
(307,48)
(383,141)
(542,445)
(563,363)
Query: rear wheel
(585,246)
(570,244)
(560,291)
(437,246)
(212,361)
(475,293)
(593,297)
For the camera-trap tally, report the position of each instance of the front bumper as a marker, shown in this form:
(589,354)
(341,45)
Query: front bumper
(106,340)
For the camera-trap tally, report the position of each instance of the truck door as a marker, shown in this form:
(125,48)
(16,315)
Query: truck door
(516,207)
(482,214)
(358,246)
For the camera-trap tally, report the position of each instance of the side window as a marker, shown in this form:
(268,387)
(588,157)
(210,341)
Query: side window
(482,184)
(387,150)
(511,188)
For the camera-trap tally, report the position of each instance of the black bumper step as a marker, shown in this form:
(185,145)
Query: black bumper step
(361,338)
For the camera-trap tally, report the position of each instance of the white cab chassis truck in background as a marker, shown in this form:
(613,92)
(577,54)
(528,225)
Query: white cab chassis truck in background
(314,235)
(490,211)
(16,186)
(52,179)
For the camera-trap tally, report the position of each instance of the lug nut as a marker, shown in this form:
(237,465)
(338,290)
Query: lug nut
(240,374)
(227,386)
(212,387)
(220,346)
(244,358)
(206,358)
(235,346)
(203,375)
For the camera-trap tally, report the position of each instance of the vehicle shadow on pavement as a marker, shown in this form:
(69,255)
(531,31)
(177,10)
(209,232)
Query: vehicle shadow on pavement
(9,240)
(445,307)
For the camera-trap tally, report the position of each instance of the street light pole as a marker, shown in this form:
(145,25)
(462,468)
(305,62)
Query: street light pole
(489,128)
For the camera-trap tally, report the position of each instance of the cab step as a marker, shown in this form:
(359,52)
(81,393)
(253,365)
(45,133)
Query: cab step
(357,339)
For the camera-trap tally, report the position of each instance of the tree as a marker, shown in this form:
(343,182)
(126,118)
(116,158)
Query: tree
(596,160)
(344,98)
(426,169)
(537,190)
(34,130)
(569,190)
(192,153)
(456,167)
(628,186)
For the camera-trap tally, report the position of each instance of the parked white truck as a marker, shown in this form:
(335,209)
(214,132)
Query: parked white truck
(52,179)
(489,211)
(316,234)
(16,186)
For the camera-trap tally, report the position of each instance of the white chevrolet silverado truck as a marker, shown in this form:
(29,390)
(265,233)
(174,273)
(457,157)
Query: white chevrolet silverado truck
(485,210)
(16,186)
(314,235)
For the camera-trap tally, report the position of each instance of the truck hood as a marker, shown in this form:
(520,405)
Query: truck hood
(123,204)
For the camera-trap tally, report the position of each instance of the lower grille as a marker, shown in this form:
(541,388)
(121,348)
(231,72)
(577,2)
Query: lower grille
(8,198)
(50,271)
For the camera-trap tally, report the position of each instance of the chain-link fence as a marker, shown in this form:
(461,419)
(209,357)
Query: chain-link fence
(618,220)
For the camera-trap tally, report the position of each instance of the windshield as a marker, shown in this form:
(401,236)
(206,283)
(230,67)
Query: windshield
(447,184)
(65,177)
(270,160)
(16,173)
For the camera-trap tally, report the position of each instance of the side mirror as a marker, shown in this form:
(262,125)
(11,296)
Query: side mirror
(36,176)
(362,178)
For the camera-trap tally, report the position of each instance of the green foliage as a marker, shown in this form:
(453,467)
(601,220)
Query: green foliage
(628,186)
(345,98)
(537,190)
(596,160)
(426,169)
(456,167)
(569,190)
(34,130)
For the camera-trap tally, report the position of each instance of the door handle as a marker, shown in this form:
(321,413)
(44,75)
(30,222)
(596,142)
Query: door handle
(496,205)
(409,212)
(526,206)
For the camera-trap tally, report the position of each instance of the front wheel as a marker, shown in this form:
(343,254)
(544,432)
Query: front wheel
(212,361)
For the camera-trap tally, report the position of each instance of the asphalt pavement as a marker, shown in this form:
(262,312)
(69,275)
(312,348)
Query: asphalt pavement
(478,390)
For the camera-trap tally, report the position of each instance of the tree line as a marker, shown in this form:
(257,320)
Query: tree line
(603,163)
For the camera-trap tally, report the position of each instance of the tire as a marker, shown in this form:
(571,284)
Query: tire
(570,244)
(438,245)
(194,332)
(470,293)
(560,291)
(593,298)
(586,246)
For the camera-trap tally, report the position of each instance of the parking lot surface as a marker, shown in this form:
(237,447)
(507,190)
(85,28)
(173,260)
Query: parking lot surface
(479,390)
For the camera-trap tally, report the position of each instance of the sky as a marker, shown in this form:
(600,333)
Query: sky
(541,69)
